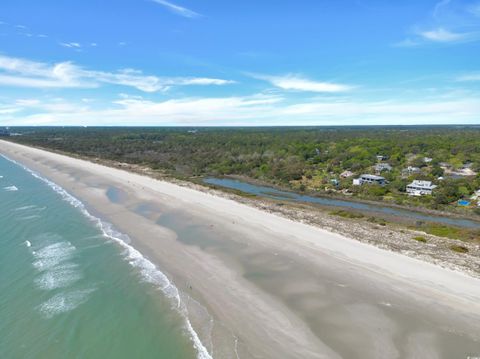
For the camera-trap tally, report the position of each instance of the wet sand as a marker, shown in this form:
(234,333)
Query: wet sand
(262,286)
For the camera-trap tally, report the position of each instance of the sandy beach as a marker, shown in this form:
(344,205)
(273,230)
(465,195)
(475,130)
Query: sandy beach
(257,285)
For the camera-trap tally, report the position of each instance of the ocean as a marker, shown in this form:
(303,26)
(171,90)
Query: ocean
(72,287)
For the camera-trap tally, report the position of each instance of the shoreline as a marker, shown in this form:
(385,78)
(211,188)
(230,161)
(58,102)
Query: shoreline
(219,268)
(152,274)
(397,236)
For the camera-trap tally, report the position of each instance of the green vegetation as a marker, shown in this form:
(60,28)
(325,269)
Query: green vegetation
(300,159)
(459,249)
(376,220)
(347,214)
(420,239)
(463,234)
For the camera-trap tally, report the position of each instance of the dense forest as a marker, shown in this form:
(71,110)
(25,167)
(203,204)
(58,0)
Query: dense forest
(299,158)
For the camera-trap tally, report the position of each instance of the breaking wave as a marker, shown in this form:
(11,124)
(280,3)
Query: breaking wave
(149,272)
(10,188)
(64,302)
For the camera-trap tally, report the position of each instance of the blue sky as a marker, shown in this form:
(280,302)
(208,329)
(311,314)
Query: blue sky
(212,62)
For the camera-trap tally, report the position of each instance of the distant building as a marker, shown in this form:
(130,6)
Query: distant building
(410,170)
(369,179)
(380,167)
(346,174)
(420,188)
(382,157)
(427,159)
(476,197)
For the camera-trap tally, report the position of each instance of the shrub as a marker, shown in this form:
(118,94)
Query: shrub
(346,214)
(420,239)
(459,249)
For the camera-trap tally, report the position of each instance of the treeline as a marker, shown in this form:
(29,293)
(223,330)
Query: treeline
(299,158)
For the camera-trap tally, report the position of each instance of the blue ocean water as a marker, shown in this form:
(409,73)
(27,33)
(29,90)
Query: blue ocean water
(71,288)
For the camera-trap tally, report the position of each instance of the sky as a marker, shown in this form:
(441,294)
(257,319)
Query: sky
(236,63)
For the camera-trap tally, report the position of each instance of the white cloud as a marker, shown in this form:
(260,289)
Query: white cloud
(71,45)
(298,83)
(257,109)
(474,76)
(442,35)
(182,11)
(447,24)
(26,73)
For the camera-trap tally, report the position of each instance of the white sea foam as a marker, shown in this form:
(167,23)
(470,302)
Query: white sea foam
(58,277)
(10,188)
(52,255)
(31,208)
(64,302)
(23,208)
(28,243)
(27,218)
(149,272)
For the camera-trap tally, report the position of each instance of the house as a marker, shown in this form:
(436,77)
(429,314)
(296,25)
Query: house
(410,170)
(369,179)
(466,170)
(381,158)
(420,188)
(380,167)
(346,174)
(476,195)
(427,159)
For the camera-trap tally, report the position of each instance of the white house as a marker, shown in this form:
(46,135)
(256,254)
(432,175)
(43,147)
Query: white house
(420,188)
(371,179)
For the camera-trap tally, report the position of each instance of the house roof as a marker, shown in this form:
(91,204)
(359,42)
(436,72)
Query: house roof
(423,184)
(373,177)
